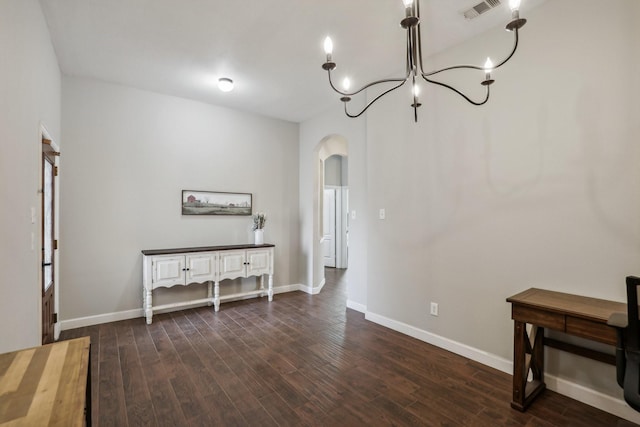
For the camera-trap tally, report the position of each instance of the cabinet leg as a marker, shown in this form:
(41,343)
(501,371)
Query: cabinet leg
(270,291)
(210,293)
(216,296)
(148,310)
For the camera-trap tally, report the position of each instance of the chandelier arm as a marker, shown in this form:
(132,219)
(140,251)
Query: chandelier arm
(471,101)
(474,67)
(513,51)
(402,80)
(353,116)
(408,59)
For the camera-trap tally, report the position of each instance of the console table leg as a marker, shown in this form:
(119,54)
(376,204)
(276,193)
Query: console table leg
(216,296)
(270,291)
(148,306)
(528,356)
(210,293)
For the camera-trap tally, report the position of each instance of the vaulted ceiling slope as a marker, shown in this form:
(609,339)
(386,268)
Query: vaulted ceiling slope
(271,49)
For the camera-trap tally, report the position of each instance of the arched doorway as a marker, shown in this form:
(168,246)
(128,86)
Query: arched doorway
(329,146)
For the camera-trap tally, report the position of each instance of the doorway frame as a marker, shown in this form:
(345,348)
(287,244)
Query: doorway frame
(43,133)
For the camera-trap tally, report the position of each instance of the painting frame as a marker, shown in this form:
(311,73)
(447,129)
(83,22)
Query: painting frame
(198,202)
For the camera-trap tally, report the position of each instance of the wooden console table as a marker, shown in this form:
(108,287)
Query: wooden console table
(208,264)
(46,386)
(572,314)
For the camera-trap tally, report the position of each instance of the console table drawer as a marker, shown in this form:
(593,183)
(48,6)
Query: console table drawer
(547,319)
(591,330)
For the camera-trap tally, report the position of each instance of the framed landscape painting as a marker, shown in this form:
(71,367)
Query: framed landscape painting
(215,203)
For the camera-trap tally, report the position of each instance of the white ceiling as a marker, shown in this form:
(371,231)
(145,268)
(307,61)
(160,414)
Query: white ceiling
(272,49)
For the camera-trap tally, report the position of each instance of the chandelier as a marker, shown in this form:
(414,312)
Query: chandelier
(414,68)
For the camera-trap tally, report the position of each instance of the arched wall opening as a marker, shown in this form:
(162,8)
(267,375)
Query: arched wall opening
(329,146)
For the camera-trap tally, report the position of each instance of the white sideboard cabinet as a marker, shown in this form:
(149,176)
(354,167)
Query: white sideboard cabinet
(209,264)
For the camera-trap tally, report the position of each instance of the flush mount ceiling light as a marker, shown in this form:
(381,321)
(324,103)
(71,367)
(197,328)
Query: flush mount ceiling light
(225,84)
(414,68)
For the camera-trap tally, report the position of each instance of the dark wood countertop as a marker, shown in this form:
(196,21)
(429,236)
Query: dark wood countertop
(204,249)
(594,309)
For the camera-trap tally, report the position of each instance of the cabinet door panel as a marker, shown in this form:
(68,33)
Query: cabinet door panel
(201,268)
(259,262)
(168,271)
(232,264)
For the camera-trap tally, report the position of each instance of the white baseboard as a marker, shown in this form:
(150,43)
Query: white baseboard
(617,407)
(472,353)
(98,319)
(312,290)
(285,289)
(139,312)
(356,306)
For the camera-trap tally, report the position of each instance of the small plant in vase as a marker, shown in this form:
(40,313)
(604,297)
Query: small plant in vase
(259,220)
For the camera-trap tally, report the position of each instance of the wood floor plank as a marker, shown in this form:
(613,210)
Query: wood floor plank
(166,407)
(136,394)
(299,360)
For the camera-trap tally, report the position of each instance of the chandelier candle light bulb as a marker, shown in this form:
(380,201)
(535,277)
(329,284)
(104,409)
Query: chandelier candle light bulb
(514,5)
(328,47)
(408,5)
(488,67)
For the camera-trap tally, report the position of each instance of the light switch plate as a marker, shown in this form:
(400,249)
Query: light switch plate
(383,214)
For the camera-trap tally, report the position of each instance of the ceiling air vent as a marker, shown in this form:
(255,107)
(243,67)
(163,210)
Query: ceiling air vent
(480,8)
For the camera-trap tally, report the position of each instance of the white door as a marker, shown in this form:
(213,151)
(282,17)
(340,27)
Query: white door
(329,218)
(168,271)
(258,262)
(200,268)
(233,264)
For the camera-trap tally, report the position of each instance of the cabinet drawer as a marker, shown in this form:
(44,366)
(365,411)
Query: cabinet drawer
(538,317)
(591,330)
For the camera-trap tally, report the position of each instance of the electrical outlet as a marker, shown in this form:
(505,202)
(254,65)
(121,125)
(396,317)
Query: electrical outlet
(434,308)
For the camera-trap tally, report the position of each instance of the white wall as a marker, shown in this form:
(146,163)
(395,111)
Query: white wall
(29,97)
(128,155)
(539,188)
(333,170)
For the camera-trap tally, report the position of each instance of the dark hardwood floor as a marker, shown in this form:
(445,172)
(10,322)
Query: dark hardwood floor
(299,360)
